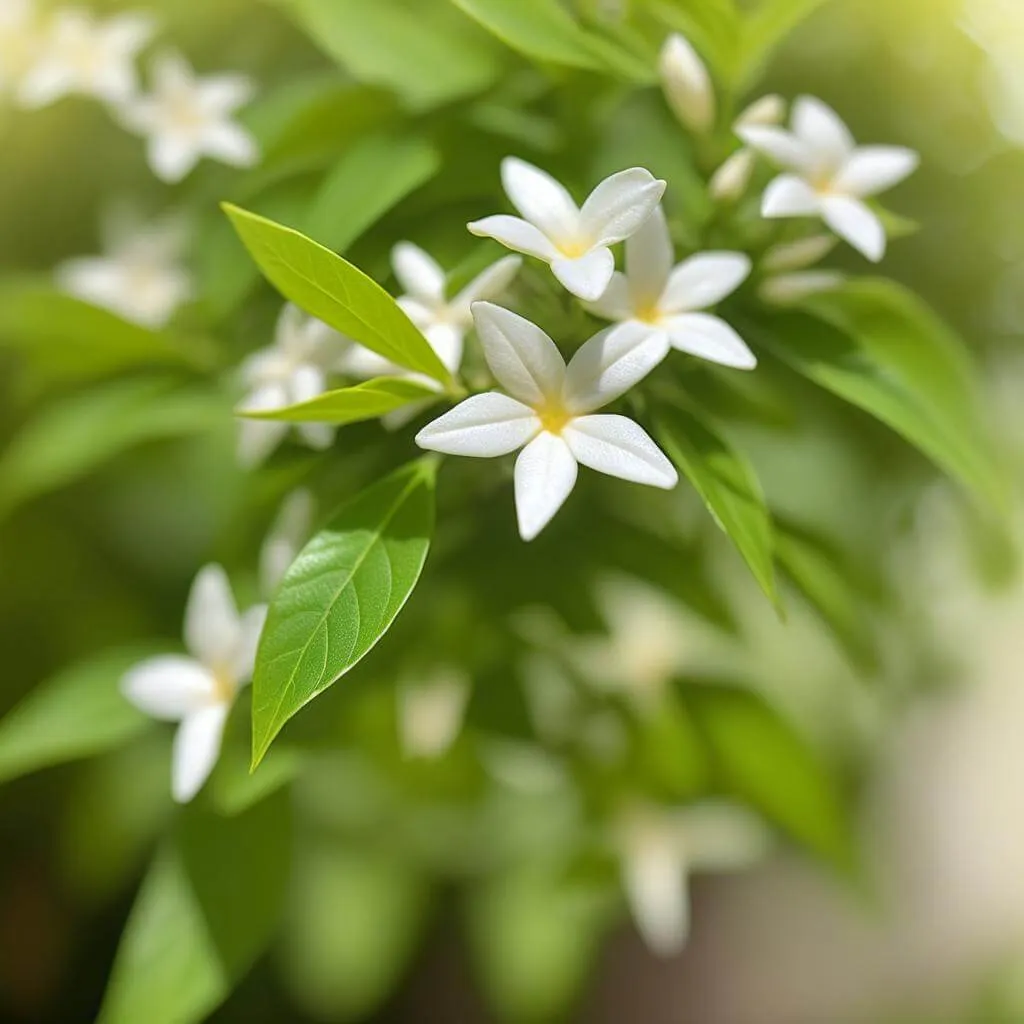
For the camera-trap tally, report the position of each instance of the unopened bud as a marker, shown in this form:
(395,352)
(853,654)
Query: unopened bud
(798,255)
(789,289)
(687,85)
(768,110)
(730,181)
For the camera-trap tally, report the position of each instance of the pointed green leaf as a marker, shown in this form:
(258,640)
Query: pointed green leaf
(334,291)
(728,485)
(364,401)
(341,595)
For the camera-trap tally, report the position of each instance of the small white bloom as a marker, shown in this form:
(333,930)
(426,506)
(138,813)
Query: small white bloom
(798,255)
(78,53)
(548,412)
(287,537)
(666,300)
(659,848)
(19,41)
(767,110)
(198,690)
(573,240)
(294,369)
(830,175)
(141,277)
(430,713)
(789,289)
(730,181)
(186,118)
(687,84)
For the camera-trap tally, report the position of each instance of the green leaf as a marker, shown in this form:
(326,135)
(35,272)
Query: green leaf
(207,909)
(726,482)
(766,29)
(759,758)
(714,27)
(77,713)
(71,438)
(334,291)
(341,595)
(880,348)
(418,48)
(360,402)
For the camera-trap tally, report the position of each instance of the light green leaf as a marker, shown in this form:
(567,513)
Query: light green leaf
(766,28)
(334,291)
(206,910)
(418,48)
(341,595)
(758,757)
(714,27)
(364,401)
(71,438)
(726,482)
(77,713)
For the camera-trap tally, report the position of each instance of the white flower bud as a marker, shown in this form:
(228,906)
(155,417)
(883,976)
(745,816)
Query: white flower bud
(730,181)
(687,84)
(430,713)
(798,255)
(768,110)
(789,289)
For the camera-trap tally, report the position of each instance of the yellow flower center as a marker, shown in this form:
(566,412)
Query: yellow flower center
(574,250)
(648,313)
(554,417)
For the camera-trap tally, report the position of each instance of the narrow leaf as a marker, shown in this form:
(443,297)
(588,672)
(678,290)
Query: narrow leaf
(766,29)
(341,595)
(331,289)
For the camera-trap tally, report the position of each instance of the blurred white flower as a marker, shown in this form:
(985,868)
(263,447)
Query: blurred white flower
(287,537)
(798,255)
(730,181)
(658,848)
(19,41)
(574,241)
(767,110)
(294,369)
(141,276)
(186,118)
(430,712)
(548,412)
(667,301)
(199,689)
(789,289)
(78,53)
(830,175)
(687,84)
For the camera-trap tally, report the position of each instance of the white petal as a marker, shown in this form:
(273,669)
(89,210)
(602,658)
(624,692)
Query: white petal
(789,289)
(45,83)
(212,626)
(616,302)
(777,144)
(654,878)
(257,439)
(96,280)
(316,435)
(790,196)
(196,749)
(711,338)
(722,836)
(169,686)
(483,426)
(523,359)
(446,340)
(704,280)
(288,334)
(231,144)
(249,628)
(768,110)
(798,255)
(172,73)
(488,284)
(860,226)
(544,477)
(619,447)
(307,382)
(272,395)
(130,32)
(362,363)
(610,363)
(515,233)
(731,179)
(541,199)
(172,156)
(874,169)
(418,273)
(586,277)
(649,259)
(823,133)
(619,206)
(221,94)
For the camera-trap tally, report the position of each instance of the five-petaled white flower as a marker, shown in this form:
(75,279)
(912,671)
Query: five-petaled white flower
(186,118)
(294,369)
(198,690)
(658,848)
(663,299)
(78,53)
(573,240)
(548,412)
(830,175)
(141,277)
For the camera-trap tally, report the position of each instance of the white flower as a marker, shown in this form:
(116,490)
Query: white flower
(199,690)
(666,300)
(19,41)
(548,412)
(658,849)
(574,241)
(770,109)
(292,370)
(830,175)
(141,277)
(789,289)
(287,537)
(687,84)
(430,713)
(80,54)
(186,118)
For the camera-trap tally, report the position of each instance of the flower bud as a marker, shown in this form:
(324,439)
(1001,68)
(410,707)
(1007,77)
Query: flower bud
(798,255)
(789,289)
(768,110)
(687,85)
(730,181)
